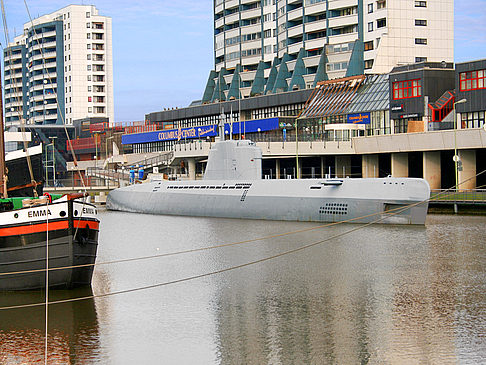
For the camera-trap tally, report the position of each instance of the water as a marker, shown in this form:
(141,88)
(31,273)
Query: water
(382,294)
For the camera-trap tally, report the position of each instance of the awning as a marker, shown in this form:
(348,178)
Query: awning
(331,97)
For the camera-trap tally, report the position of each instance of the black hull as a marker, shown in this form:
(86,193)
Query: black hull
(64,251)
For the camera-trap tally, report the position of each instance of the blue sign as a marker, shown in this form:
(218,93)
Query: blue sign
(171,134)
(360,118)
(250,126)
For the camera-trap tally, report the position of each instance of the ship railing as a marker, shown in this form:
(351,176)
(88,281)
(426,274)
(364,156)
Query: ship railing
(99,179)
(309,173)
(461,196)
(164,159)
(97,176)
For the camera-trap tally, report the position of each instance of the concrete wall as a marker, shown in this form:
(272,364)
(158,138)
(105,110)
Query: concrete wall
(432,169)
(370,166)
(399,164)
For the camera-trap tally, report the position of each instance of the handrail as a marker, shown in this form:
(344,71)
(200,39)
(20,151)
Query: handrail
(465,196)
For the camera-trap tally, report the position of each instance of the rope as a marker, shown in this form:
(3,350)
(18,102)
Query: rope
(60,112)
(211,247)
(352,220)
(47,284)
(103,295)
(199,276)
(21,119)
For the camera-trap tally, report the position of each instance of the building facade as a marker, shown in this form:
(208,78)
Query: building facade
(61,68)
(471,86)
(271,46)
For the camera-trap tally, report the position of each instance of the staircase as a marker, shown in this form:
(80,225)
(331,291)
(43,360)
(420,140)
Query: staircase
(442,107)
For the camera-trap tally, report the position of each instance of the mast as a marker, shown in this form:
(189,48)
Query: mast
(3,172)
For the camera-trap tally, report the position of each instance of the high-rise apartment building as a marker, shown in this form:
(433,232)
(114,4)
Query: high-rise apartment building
(61,68)
(269,46)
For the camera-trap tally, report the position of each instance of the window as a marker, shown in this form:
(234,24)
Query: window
(88,35)
(420,22)
(420,40)
(88,14)
(89,99)
(380,23)
(89,67)
(89,88)
(90,110)
(88,25)
(89,77)
(368,46)
(368,64)
(89,57)
(370,8)
(407,89)
(473,80)
(89,46)
(370,27)
(420,4)
(420,59)
(381,4)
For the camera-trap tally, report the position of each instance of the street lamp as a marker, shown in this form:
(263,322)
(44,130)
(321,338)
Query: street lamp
(456,157)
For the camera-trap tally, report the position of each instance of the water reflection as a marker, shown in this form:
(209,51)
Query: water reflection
(73,335)
(384,295)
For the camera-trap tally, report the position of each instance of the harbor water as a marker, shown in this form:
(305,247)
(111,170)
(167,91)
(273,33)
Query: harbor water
(358,294)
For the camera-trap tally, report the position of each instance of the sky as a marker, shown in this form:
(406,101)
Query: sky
(163,49)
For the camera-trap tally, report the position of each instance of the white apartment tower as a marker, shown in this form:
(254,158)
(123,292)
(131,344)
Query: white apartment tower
(61,68)
(269,46)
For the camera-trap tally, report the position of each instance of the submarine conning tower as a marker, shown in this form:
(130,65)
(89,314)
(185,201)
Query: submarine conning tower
(234,160)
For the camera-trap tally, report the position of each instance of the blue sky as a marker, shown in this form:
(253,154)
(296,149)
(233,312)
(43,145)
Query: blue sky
(163,49)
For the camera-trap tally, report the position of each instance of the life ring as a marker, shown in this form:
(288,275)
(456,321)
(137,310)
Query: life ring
(49,197)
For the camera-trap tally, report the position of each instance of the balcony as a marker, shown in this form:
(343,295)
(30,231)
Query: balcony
(295,14)
(343,21)
(233,18)
(298,30)
(90,143)
(343,38)
(249,14)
